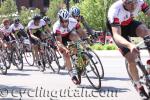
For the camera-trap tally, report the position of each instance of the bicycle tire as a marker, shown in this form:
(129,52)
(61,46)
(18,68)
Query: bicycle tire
(55,61)
(7,60)
(100,67)
(19,58)
(27,55)
(98,77)
(3,68)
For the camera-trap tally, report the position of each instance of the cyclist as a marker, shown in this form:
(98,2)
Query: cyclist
(122,25)
(63,31)
(6,32)
(18,29)
(75,13)
(36,28)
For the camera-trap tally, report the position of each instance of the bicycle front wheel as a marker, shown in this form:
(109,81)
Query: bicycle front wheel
(92,72)
(3,68)
(97,62)
(18,60)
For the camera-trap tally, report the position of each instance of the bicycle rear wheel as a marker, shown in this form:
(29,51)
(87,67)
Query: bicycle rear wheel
(92,72)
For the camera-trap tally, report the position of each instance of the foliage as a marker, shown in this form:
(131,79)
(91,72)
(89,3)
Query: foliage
(25,14)
(8,9)
(98,46)
(54,7)
(95,12)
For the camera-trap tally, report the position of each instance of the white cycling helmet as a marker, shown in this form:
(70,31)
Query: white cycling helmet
(75,11)
(63,14)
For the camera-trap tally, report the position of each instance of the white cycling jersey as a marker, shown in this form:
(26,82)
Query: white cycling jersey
(20,26)
(6,31)
(58,29)
(119,16)
(32,26)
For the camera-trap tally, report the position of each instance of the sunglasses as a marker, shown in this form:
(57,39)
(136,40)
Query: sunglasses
(77,16)
(64,21)
(131,2)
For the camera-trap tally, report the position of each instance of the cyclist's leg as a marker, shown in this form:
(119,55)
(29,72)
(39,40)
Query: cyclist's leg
(34,49)
(142,31)
(131,31)
(66,56)
(72,72)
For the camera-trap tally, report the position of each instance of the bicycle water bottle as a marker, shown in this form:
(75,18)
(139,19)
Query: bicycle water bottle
(148,66)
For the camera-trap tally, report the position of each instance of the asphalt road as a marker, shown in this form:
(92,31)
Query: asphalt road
(30,84)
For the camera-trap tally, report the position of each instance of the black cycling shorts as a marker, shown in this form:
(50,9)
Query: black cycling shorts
(126,32)
(37,34)
(8,38)
(65,40)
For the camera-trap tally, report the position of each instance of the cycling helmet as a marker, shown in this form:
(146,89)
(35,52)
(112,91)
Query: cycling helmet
(16,21)
(75,11)
(37,17)
(63,14)
(46,18)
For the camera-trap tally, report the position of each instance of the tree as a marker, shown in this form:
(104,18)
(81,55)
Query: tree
(8,9)
(95,12)
(26,15)
(54,7)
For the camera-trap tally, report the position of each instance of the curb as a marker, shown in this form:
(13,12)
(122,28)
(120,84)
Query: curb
(116,53)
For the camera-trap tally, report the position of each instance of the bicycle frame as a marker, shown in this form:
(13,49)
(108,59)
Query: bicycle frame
(80,61)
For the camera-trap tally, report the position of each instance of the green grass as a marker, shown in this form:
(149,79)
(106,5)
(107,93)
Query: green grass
(98,46)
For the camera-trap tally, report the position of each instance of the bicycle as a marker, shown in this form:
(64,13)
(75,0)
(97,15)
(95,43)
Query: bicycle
(26,48)
(3,61)
(144,77)
(83,63)
(14,55)
(48,56)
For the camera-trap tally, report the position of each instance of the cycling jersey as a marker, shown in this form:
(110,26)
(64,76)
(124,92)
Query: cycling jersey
(72,24)
(32,26)
(14,28)
(6,32)
(117,15)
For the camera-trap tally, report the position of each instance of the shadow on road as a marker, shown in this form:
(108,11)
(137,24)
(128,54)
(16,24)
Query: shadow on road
(60,73)
(115,78)
(12,92)
(17,74)
(105,88)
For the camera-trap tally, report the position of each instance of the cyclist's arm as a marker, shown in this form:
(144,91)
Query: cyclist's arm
(81,32)
(31,34)
(148,13)
(120,41)
(47,29)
